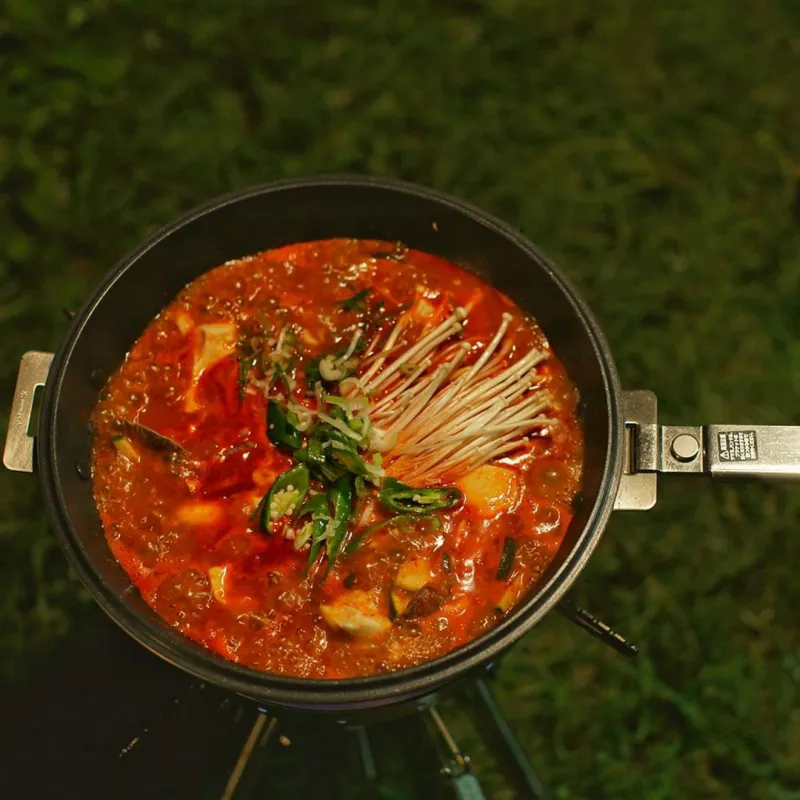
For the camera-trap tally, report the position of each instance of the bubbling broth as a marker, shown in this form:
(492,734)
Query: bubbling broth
(337,459)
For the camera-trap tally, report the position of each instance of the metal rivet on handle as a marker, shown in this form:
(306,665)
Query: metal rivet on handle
(685,447)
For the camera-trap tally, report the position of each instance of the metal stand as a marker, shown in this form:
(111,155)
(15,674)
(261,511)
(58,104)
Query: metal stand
(455,767)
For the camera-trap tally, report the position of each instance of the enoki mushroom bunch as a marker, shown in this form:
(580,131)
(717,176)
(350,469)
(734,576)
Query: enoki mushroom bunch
(433,415)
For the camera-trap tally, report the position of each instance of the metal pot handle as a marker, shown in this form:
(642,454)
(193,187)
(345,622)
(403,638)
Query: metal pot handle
(754,452)
(33,369)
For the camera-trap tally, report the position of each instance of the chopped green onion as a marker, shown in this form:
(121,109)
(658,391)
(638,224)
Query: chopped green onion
(351,461)
(313,376)
(303,535)
(506,558)
(356,302)
(280,375)
(242,381)
(398,254)
(125,448)
(390,315)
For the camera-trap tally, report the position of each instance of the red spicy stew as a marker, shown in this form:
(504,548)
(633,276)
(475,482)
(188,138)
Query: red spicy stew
(337,458)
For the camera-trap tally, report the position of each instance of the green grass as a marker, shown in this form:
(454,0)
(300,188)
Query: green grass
(652,149)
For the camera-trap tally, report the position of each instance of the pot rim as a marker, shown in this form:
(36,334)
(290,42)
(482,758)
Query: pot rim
(178,650)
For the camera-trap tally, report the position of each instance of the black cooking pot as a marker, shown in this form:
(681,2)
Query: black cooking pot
(623,453)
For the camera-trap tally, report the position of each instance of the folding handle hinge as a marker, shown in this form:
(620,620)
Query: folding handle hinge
(651,448)
(638,489)
(750,452)
(18,452)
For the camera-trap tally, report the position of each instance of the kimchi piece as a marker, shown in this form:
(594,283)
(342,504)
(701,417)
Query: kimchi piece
(337,459)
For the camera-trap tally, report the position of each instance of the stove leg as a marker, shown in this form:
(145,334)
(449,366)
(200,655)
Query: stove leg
(457,766)
(367,759)
(513,754)
(262,729)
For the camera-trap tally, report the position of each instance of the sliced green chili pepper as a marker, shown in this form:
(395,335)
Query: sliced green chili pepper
(285,496)
(398,520)
(340,497)
(314,453)
(259,510)
(316,504)
(330,472)
(406,499)
(506,558)
(279,430)
(356,302)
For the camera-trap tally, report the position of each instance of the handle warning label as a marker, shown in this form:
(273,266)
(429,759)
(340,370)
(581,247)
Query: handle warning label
(737,446)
